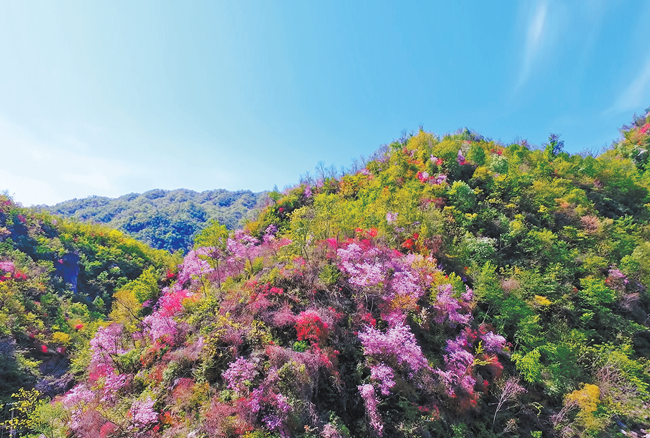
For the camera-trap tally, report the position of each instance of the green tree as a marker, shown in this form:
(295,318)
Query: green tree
(214,236)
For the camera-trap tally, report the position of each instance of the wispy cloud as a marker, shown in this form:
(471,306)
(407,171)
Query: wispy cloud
(36,173)
(60,162)
(635,95)
(534,39)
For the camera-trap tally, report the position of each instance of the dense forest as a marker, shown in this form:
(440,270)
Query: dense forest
(164,219)
(452,287)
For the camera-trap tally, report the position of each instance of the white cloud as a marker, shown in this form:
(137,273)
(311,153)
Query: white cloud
(635,95)
(51,163)
(534,39)
(38,173)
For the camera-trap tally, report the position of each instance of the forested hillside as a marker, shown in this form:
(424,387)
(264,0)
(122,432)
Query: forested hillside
(57,280)
(453,287)
(164,219)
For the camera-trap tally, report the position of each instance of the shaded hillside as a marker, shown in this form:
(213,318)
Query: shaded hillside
(164,219)
(453,287)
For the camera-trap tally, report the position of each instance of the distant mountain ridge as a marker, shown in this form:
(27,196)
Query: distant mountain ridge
(164,219)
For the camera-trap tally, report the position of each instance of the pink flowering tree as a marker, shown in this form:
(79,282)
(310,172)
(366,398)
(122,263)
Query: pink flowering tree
(468,352)
(160,328)
(113,385)
(239,375)
(397,349)
(364,263)
(447,306)
(107,344)
(370,402)
(384,376)
(171,302)
(267,403)
(195,269)
(242,250)
(77,401)
(385,275)
(7,266)
(142,416)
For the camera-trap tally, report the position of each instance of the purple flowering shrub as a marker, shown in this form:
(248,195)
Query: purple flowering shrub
(370,402)
(105,347)
(396,346)
(240,375)
(447,306)
(266,342)
(77,401)
(194,267)
(366,264)
(468,353)
(384,375)
(142,414)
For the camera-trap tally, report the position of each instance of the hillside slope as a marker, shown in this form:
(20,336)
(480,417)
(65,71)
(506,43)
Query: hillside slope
(454,287)
(57,280)
(163,219)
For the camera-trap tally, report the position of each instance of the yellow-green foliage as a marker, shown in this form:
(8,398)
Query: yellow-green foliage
(145,287)
(529,365)
(126,308)
(61,338)
(214,235)
(23,407)
(586,401)
(596,293)
(127,302)
(110,242)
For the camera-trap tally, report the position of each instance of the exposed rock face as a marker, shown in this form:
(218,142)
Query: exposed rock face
(68,269)
(7,347)
(53,368)
(56,379)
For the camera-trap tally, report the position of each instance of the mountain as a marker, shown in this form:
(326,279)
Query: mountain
(163,219)
(453,287)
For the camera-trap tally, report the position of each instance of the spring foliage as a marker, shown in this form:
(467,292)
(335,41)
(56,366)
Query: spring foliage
(453,286)
(163,219)
(45,321)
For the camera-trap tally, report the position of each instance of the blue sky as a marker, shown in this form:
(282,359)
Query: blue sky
(107,98)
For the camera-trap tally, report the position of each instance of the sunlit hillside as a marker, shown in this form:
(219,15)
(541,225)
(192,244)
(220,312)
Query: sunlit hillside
(452,287)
